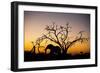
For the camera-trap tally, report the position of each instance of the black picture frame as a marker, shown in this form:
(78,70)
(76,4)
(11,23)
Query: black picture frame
(14,35)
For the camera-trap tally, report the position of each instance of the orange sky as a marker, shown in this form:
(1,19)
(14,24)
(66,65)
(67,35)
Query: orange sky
(35,22)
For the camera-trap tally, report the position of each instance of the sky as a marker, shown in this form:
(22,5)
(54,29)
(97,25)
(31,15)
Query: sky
(35,23)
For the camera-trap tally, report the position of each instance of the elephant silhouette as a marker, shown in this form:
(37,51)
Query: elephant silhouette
(54,50)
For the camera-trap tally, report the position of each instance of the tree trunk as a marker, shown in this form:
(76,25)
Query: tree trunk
(63,51)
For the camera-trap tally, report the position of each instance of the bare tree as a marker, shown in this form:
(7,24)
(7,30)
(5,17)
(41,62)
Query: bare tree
(60,36)
(37,44)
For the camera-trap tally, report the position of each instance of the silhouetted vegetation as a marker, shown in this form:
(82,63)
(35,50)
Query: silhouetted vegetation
(55,54)
(60,36)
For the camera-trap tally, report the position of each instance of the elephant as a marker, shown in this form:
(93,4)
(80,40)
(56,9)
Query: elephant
(54,50)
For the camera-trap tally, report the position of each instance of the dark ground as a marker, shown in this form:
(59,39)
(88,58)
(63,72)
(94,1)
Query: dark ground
(28,56)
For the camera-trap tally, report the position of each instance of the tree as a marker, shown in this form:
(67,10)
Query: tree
(37,44)
(60,36)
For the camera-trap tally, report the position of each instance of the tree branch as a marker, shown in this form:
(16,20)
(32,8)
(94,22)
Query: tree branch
(74,41)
